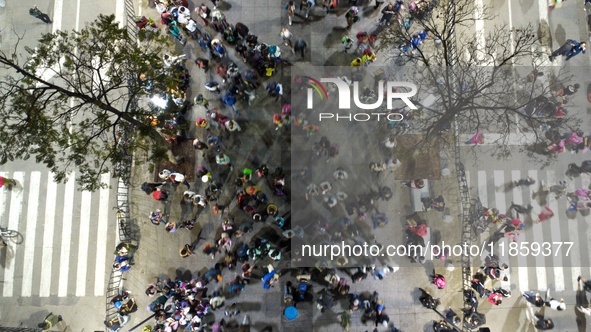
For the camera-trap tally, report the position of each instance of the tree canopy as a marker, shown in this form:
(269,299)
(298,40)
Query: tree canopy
(71,103)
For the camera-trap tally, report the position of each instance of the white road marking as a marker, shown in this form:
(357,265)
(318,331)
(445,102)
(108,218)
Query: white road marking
(101,238)
(65,248)
(120,13)
(83,243)
(555,236)
(58,6)
(14,216)
(538,236)
(30,232)
(48,231)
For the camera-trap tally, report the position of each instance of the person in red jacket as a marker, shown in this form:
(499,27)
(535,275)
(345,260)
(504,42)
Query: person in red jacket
(8,182)
(495,298)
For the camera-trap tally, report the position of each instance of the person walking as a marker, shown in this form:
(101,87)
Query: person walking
(578,48)
(546,214)
(290,8)
(200,100)
(478,138)
(274,90)
(50,321)
(230,100)
(308,5)
(286,37)
(586,283)
(352,16)
(35,12)
(8,182)
(347,43)
(569,49)
(223,159)
(202,63)
(187,250)
(300,46)
(387,14)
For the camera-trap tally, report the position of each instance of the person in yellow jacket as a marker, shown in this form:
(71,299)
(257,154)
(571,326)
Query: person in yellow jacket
(357,62)
(368,58)
(50,321)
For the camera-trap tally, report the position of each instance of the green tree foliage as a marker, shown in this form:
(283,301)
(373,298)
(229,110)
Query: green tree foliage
(71,103)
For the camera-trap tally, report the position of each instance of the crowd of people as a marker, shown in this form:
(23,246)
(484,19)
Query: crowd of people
(257,191)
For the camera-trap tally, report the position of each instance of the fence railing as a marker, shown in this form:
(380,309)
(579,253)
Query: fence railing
(115,285)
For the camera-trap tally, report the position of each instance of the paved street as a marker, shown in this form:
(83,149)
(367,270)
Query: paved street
(62,255)
(63,262)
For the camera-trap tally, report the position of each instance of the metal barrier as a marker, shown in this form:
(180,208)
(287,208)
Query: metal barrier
(116,279)
(115,284)
(466,205)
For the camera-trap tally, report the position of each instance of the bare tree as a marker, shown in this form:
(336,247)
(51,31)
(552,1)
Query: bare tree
(489,82)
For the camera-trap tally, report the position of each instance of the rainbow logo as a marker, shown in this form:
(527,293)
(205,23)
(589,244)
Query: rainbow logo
(317,86)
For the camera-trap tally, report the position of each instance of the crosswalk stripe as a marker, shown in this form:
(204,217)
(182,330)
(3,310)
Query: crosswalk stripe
(499,181)
(574,257)
(522,269)
(83,243)
(101,236)
(56,245)
(555,237)
(538,237)
(65,248)
(537,271)
(14,216)
(30,232)
(48,232)
(482,188)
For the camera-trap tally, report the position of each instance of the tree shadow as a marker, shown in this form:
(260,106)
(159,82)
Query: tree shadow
(560,34)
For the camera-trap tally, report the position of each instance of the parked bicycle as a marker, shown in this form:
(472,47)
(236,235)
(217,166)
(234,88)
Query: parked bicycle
(6,233)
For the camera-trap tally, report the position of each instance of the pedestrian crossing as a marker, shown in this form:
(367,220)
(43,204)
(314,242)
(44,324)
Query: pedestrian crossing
(67,237)
(554,269)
